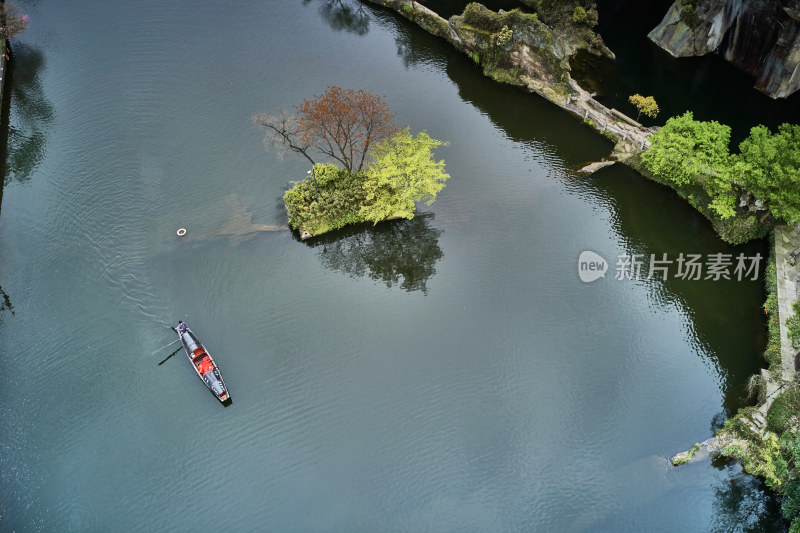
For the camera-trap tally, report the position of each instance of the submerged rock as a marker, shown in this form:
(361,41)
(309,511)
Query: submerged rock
(761,37)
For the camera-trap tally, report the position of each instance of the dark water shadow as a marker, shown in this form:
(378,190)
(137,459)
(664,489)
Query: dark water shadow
(711,87)
(743,503)
(32,114)
(344,15)
(5,303)
(396,252)
(5,114)
(725,318)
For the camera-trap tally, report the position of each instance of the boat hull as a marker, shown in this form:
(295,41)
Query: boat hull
(204,365)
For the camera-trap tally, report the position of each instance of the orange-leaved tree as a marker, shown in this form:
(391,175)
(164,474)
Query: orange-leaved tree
(344,123)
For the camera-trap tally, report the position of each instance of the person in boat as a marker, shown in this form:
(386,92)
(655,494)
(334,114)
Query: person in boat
(181,327)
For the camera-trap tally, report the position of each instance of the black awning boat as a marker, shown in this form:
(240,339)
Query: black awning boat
(203,364)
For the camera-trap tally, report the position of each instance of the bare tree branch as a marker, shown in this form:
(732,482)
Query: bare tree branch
(282,133)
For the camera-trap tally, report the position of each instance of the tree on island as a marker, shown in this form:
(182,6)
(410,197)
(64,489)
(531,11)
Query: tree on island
(646,105)
(341,124)
(385,170)
(12,21)
(403,172)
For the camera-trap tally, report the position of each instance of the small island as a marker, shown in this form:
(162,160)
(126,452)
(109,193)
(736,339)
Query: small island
(384,170)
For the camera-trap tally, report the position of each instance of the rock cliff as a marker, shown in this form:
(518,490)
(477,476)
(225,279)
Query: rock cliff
(761,37)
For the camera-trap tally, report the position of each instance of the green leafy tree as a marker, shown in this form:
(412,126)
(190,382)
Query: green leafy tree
(579,15)
(687,151)
(769,167)
(402,172)
(793,322)
(644,104)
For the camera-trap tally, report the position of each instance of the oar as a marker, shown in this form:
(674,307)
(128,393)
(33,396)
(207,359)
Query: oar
(167,346)
(170,355)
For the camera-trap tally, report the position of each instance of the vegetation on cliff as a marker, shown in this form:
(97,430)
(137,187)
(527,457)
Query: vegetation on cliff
(692,157)
(775,453)
(574,20)
(793,323)
(529,49)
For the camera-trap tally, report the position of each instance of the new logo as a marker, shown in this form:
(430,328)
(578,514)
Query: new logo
(591,266)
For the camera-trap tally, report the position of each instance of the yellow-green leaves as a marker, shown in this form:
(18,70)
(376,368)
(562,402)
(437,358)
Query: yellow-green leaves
(644,104)
(402,173)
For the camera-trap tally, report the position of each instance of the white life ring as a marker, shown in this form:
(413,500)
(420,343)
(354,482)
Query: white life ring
(181,232)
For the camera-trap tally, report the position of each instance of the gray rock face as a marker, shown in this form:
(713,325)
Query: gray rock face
(761,37)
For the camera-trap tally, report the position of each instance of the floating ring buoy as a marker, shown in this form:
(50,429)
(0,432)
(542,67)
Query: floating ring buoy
(181,232)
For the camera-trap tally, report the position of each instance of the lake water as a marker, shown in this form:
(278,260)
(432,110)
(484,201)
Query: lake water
(450,373)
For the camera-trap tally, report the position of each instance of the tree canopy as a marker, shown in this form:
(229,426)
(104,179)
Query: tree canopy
(769,166)
(342,124)
(401,173)
(686,148)
(687,151)
(644,104)
(692,151)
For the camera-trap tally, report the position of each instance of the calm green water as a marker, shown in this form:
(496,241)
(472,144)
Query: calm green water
(451,373)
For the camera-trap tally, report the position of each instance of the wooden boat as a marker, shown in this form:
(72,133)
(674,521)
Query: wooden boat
(207,370)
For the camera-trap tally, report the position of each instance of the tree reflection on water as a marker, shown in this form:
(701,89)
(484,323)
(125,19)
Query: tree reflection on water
(407,249)
(343,15)
(743,503)
(31,114)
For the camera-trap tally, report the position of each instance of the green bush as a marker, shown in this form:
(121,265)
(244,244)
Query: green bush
(734,450)
(783,408)
(479,16)
(341,196)
(772,353)
(739,229)
(579,15)
(689,13)
(793,322)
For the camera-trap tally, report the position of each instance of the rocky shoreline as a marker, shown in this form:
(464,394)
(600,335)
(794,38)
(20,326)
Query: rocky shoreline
(536,59)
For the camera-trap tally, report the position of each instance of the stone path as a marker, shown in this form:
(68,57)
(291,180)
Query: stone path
(787,240)
(631,137)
